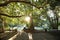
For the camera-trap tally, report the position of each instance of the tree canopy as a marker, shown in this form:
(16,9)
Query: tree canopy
(42,12)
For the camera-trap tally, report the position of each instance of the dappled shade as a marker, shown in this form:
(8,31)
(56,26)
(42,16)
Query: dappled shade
(37,18)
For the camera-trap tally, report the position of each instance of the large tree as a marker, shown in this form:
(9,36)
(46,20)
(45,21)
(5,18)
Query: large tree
(36,9)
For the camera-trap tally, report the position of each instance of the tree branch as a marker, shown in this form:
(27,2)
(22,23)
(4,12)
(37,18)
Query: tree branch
(22,1)
(10,16)
(4,4)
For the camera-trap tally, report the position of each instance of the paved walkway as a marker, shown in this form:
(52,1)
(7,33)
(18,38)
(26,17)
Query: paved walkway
(32,36)
(7,35)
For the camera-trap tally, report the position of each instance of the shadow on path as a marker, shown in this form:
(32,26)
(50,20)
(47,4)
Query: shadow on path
(8,35)
(42,36)
(22,36)
(39,36)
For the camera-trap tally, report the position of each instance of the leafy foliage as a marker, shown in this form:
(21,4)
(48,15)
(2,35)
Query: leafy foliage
(39,15)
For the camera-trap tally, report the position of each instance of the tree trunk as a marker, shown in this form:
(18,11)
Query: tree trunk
(1,25)
(31,24)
